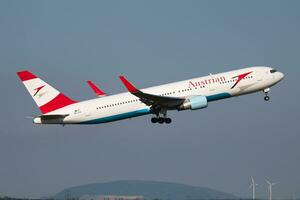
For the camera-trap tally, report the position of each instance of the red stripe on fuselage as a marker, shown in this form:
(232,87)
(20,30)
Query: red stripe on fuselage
(58,102)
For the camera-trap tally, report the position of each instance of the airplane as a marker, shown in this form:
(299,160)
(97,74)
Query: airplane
(191,94)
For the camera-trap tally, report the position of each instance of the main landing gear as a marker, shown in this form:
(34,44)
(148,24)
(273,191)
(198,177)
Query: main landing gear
(266,91)
(161,117)
(161,120)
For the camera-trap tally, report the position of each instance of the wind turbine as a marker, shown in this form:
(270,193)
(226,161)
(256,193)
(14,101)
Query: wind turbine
(270,185)
(253,186)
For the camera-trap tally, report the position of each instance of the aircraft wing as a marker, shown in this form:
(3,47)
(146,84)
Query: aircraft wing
(152,99)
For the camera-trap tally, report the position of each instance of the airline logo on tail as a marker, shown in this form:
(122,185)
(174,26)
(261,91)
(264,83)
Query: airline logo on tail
(38,89)
(49,99)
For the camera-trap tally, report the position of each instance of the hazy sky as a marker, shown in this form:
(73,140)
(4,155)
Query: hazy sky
(152,42)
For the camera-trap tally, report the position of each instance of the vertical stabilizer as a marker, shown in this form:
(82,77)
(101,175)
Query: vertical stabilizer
(45,96)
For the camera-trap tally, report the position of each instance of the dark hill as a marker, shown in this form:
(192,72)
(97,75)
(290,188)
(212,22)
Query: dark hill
(149,189)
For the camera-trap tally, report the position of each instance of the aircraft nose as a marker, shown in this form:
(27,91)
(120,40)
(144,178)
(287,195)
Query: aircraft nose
(280,75)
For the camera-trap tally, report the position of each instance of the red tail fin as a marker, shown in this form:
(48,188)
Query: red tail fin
(45,96)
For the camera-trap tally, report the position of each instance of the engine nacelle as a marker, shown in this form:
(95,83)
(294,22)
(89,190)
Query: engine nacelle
(194,103)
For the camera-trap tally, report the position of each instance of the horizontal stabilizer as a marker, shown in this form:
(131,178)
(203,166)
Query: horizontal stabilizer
(50,119)
(45,117)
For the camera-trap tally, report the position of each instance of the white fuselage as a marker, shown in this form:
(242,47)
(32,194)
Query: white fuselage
(126,105)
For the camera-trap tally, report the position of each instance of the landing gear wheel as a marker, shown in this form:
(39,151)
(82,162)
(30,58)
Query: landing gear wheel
(154,120)
(267,98)
(168,120)
(266,91)
(161,120)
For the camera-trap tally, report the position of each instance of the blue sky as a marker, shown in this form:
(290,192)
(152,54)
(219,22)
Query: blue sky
(151,42)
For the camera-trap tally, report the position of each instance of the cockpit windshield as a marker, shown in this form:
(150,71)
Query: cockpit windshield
(273,71)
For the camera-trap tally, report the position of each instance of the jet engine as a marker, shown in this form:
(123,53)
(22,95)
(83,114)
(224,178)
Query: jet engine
(194,103)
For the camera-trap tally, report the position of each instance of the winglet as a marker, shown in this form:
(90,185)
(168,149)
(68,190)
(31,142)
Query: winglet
(97,91)
(130,87)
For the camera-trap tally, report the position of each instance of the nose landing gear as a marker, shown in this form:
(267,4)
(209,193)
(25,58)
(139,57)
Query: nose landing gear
(266,91)
(266,98)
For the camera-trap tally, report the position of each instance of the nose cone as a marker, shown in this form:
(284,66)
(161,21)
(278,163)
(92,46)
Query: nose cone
(280,76)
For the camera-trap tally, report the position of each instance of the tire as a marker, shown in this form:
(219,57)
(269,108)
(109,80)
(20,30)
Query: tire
(168,120)
(154,120)
(161,120)
(267,98)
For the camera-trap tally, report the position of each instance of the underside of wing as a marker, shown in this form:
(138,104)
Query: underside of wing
(152,99)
